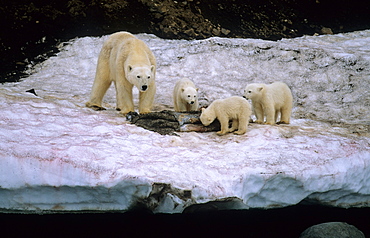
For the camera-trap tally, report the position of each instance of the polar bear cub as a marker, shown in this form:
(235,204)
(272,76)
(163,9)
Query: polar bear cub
(185,96)
(233,108)
(270,100)
(126,61)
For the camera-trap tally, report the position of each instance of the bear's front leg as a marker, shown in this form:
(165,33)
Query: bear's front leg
(146,100)
(224,122)
(270,115)
(182,107)
(125,103)
(258,111)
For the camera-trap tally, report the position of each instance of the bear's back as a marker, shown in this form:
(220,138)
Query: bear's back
(119,38)
(125,43)
(234,103)
(280,92)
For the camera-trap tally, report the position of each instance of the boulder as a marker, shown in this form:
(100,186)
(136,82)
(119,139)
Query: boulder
(332,230)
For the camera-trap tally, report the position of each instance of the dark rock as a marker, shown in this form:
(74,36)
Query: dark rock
(32,91)
(332,230)
(167,122)
(225,31)
(326,31)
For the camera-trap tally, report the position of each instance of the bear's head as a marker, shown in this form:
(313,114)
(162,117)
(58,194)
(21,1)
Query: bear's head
(142,76)
(189,94)
(207,116)
(253,91)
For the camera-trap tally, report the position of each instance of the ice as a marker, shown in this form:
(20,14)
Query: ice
(56,155)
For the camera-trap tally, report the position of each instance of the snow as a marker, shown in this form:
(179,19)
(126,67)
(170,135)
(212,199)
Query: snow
(56,155)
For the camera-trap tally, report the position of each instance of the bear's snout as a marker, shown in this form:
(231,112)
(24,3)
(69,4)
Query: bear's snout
(144,87)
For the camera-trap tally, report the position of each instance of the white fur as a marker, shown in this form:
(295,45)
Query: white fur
(270,100)
(185,96)
(233,108)
(126,61)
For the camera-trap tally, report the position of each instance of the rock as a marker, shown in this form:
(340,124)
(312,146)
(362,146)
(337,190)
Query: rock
(332,230)
(326,31)
(25,23)
(166,122)
(191,33)
(32,91)
(225,31)
(216,31)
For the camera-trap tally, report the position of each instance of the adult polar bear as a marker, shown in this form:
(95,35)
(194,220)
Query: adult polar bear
(126,61)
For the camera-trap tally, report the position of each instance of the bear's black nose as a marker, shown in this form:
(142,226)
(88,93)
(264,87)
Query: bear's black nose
(192,102)
(144,87)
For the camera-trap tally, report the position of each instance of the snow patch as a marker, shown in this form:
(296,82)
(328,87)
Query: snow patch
(56,155)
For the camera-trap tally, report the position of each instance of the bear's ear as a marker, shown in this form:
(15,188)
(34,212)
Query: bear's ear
(129,68)
(183,89)
(152,68)
(259,89)
(197,89)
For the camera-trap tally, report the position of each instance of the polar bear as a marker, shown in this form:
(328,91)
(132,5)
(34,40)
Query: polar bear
(126,61)
(270,100)
(233,108)
(185,96)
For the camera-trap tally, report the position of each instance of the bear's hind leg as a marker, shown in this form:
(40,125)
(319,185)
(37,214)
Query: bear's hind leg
(243,124)
(98,91)
(234,125)
(285,116)
(277,113)
(101,83)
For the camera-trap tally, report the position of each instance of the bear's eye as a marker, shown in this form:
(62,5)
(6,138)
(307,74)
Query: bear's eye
(138,76)
(148,77)
(249,91)
(188,96)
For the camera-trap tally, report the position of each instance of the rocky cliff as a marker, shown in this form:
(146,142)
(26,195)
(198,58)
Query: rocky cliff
(31,29)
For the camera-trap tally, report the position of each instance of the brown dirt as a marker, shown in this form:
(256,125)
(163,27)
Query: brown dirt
(31,29)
